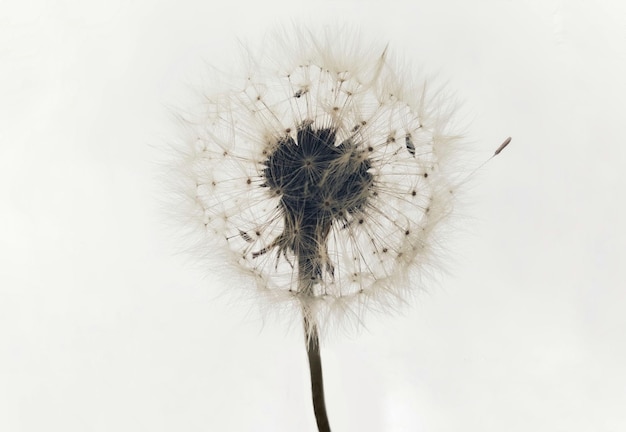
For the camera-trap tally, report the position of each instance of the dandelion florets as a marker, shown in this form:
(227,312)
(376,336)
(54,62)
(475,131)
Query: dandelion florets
(324,176)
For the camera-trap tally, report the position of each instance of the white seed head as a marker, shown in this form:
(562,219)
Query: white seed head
(324,174)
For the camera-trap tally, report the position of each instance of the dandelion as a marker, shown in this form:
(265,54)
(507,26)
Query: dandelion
(324,174)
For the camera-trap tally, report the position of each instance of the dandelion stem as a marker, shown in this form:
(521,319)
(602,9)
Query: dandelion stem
(313,235)
(317,382)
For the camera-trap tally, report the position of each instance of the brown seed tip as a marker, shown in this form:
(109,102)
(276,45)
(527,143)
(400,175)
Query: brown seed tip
(502,146)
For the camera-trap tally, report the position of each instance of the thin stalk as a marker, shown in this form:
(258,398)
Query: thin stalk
(309,272)
(317,382)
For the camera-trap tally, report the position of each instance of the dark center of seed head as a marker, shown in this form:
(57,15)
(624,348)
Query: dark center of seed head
(320,182)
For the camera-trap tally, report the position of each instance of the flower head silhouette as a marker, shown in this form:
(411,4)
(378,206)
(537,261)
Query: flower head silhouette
(325,175)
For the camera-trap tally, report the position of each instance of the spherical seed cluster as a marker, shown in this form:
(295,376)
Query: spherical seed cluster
(324,175)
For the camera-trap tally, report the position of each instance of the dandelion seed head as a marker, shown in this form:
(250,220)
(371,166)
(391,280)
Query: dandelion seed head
(324,176)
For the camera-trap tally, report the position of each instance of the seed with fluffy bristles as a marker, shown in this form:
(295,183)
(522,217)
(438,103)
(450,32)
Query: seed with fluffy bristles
(327,165)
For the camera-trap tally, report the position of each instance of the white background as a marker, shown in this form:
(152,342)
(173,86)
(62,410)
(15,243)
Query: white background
(102,328)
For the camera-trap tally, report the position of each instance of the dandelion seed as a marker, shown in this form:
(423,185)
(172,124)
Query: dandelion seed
(409,144)
(502,146)
(326,177)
